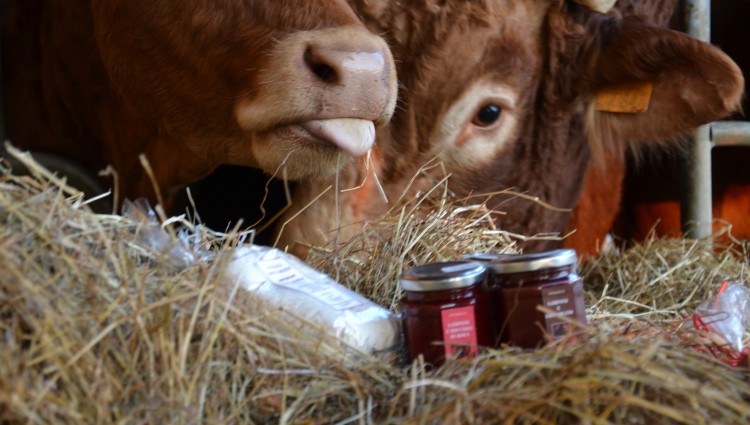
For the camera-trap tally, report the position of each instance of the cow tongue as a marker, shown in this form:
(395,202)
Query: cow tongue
(352,135)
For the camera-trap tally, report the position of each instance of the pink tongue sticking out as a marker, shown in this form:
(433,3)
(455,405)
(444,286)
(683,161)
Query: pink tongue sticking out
(352,135)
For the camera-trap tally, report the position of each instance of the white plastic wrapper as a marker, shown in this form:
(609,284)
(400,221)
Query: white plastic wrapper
(283,282)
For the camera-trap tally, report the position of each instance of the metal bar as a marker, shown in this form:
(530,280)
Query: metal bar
(698,19)
(695,205)
(730,133)
(695,193)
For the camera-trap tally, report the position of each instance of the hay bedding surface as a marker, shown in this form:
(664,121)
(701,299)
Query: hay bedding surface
(97,326)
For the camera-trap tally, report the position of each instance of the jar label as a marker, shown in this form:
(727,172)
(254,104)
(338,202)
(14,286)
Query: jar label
(459,331)
(560,300)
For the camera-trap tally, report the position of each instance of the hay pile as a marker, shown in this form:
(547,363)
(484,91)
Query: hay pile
(97,325)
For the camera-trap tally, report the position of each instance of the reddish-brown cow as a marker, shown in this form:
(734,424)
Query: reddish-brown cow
(194,84)
(504,94)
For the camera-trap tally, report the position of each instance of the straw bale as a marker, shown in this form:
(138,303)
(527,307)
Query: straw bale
(98,326)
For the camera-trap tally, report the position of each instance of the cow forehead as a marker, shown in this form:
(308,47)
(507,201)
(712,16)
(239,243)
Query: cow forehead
(488,53)
(504,41)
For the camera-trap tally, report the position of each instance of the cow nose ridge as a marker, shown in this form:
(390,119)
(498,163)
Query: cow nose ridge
(334,65)
(326,74)
(351,77)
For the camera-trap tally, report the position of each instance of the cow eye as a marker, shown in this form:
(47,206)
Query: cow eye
(487,115)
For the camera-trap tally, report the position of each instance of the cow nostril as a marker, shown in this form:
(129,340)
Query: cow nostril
(322,70)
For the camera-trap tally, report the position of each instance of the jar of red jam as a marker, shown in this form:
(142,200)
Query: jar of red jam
(446,310)
(520,284)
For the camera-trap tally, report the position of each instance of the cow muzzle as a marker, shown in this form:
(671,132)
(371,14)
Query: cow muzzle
(336,84)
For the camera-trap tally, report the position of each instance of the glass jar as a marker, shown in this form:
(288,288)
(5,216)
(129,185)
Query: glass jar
(520,284)
(445,310)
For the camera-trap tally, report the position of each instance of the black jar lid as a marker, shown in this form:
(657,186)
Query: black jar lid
(519,263)
(443,276)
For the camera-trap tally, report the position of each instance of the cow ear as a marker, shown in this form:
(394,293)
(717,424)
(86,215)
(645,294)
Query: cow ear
(648,83)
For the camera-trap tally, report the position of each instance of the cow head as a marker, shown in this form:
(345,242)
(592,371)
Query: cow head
(505,93)
(256,83)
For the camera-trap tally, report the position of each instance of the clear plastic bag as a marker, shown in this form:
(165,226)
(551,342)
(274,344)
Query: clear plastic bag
(179,250)
(726,315)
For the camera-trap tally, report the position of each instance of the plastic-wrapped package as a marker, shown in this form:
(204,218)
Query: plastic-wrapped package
(727,314)
(280,282)
(724,319)
(284,283)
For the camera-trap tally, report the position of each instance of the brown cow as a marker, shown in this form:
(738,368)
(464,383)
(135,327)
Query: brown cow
(504,94)
(194,84)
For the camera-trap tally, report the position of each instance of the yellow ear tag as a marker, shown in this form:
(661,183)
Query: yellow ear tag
(627,98)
